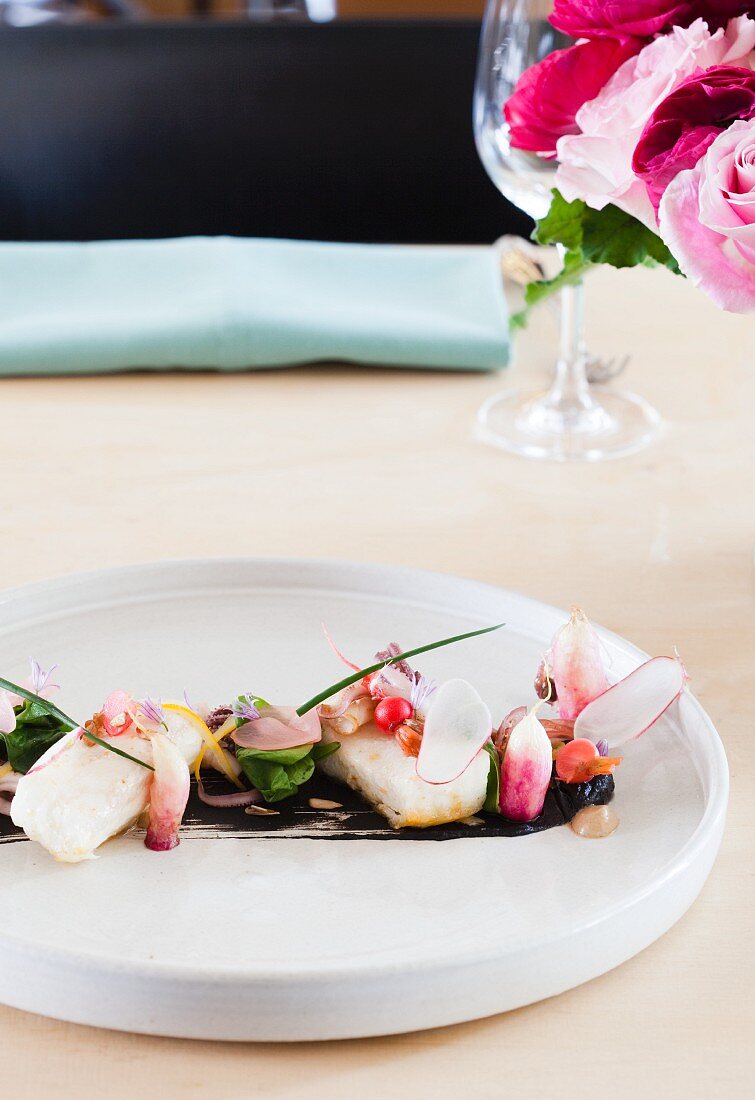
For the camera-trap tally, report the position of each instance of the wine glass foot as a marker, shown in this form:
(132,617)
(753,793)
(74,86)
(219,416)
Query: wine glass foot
(535,425)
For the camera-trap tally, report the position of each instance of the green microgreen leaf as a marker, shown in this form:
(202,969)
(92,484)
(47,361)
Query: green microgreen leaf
(362,672)
(492,804)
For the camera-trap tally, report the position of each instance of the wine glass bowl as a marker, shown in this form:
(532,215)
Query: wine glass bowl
(571,420)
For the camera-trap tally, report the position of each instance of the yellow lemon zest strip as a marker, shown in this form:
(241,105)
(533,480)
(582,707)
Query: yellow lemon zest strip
(209,742)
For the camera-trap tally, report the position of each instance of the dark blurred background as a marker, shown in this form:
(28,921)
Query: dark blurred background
(306,118)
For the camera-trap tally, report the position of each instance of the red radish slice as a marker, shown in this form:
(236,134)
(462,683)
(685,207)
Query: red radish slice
(456,728)
(168,794)
(279,728)
(628,708)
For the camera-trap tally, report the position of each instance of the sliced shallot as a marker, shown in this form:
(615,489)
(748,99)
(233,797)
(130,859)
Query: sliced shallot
(628,708)
(168,794)
(279,728)
(225,801)
(456,728)
(8,785)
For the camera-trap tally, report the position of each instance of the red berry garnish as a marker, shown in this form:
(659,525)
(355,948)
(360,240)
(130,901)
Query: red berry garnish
(391,712)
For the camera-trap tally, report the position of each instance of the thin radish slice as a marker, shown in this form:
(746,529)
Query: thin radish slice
(628,708)
(279,728)
(456,729)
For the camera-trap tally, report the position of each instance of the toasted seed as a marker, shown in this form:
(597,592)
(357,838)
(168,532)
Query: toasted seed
(261,811)
(325,804)
(473,820)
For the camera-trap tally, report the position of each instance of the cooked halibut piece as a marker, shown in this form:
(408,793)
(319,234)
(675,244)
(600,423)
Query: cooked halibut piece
(374,764)
(79,795)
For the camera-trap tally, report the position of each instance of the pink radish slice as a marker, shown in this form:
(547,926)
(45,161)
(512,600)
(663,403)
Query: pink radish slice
(279,728)
(526,770)
(576,665)
(168,794)
(456,728)
(628,708)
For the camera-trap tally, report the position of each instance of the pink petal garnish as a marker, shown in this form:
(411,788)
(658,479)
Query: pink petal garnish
(576,665)
(279,728)
(118,712)
(526,770)
(168,794)
(7,713)
(456,727)
(627,709)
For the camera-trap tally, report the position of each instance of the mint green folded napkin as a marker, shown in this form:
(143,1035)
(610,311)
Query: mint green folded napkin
(230,303)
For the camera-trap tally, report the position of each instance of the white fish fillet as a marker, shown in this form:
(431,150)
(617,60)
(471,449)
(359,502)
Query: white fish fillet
(374,764)
(86,794)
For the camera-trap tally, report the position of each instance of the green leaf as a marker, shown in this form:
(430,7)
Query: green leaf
(591,237)
(278,756)
(611,236)
(492,802)
(562,224)
(36,731)
(570,275)
(68,723)
(323,749)
(362,672)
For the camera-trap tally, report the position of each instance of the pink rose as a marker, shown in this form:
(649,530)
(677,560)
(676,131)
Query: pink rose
(549,94)
(596,165)
(707,219)
(641,18)
(688,121)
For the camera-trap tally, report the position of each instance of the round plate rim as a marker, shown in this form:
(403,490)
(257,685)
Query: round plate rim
(709,825)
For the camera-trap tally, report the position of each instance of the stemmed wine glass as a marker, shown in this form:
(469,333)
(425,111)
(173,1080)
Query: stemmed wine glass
(572,420)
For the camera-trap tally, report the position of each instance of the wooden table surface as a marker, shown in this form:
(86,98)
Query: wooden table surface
(384,466)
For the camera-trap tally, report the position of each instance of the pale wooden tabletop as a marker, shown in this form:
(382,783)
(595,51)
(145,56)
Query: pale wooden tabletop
(383,465)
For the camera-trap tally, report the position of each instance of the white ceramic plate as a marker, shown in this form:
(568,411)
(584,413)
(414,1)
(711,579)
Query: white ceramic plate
(290,939)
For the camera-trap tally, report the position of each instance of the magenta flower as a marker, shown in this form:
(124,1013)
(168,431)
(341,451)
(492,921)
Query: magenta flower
(640,18)
(684,126)
(548,95)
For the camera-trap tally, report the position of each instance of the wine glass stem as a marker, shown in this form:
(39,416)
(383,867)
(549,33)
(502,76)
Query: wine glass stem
(570,387)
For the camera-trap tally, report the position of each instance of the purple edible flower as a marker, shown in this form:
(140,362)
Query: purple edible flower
(421,692)
(40,679)
(602,748)
(153,712)
(245,708)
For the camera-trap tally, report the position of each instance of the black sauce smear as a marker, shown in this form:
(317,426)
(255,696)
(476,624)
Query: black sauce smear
(562,802)
(357,820)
